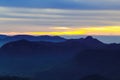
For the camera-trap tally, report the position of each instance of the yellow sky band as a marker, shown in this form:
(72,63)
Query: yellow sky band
(108,30)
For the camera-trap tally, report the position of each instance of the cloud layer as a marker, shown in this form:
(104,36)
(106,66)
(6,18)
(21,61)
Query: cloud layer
(58,15)
(27,19)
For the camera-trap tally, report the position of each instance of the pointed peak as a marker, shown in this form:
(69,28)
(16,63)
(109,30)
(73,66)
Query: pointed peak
(89,37)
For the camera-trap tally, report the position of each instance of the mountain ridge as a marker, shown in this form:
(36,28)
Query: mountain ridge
(60,60)
(6,39)
(68,46)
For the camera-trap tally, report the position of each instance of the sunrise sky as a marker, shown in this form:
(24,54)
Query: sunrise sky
(60,17)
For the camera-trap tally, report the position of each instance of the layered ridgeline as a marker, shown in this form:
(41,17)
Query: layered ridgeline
(73,59)
(25,45)
(6,39)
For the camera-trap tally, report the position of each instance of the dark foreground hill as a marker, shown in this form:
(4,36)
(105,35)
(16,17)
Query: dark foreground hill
(13,78)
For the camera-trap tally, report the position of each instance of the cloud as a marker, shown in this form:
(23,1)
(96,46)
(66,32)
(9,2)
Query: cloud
(58,17)
(52,21)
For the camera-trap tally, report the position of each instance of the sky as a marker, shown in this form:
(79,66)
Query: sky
(60,17)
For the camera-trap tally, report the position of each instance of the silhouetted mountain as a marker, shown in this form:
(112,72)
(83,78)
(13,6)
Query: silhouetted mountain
(3,37)
(68,60)
(27,47)
(38,38)
(68,46)
(6,39)
(89,42)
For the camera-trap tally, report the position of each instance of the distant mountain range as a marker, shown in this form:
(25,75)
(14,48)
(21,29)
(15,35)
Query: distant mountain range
(6,39)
